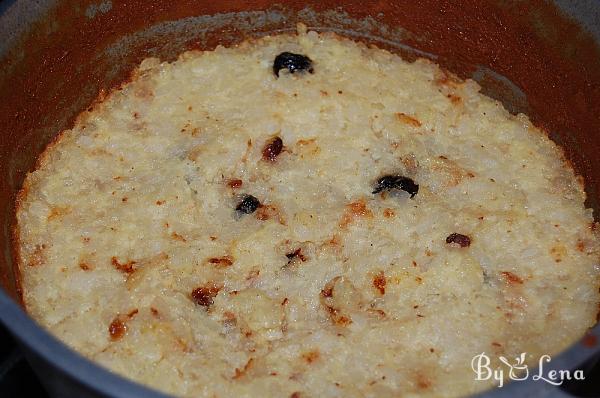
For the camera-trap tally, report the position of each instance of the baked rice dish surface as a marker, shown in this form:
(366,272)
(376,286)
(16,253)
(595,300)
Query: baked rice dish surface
(305,216)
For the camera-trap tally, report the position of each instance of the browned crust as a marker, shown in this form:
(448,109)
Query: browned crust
(41,161)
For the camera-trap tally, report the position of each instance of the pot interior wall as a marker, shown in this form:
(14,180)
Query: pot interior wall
(525,53)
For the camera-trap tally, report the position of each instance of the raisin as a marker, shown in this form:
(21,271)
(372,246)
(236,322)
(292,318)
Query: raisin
(272,149)
(389,182)
(458,239)
(292,62)
(248,205)
(204,295)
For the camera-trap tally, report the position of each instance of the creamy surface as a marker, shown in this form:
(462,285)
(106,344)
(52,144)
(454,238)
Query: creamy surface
(133,254)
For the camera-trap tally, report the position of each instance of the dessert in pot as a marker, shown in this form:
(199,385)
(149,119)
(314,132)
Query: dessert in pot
(303,215)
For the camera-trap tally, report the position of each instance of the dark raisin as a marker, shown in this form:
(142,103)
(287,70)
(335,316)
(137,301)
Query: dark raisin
(389,182)
(272,149)
(458,239)
(248,205)
(292,62)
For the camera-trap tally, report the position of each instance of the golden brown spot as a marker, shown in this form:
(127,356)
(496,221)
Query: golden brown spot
(182,345)
(84,266)
(241,372)
(379,282)
(343,320)
(334,241)
(85,239)
(324,93)
(512,278)
(127,267)
(178,237)
(295,395)
(38,257)
(307,147)
(455,99)
(221,262)
(195,152)
(102,151)
(213,238)
(406,119)
(329,304)
(580,245)
(389,213)
(143,91)
(285,301)
(309,141)
(267,212)
(422,381)
(452,172)
(234,183)
(379,313)
(253,274)
(353,211)
(154,311)
(57,212)
(558,252)
(446,78)
(124,199)
(160,202)
(228,316)
(311,356)
(117,329)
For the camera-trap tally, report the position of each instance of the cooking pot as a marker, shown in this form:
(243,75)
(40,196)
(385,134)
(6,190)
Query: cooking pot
(538,57)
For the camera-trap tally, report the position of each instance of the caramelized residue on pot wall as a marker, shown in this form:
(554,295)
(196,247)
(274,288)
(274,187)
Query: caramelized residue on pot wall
(555,64)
